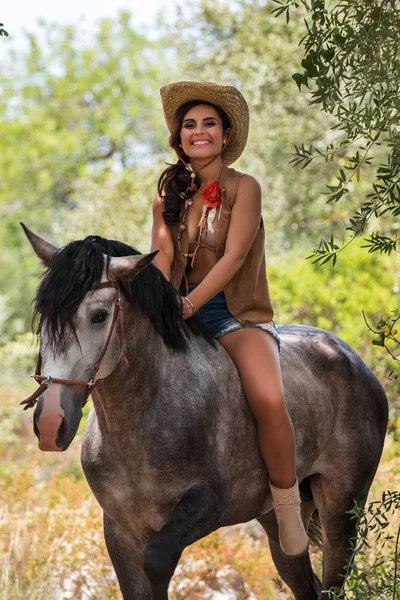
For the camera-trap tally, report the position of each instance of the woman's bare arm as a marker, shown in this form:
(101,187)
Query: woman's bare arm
(161,239)
(244,224)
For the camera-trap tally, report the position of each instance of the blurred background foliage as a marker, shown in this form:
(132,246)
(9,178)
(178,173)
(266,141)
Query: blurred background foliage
(83,143)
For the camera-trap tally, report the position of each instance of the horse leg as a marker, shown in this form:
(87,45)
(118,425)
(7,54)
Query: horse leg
(127,562)
(297,573)
(333,500)
(197,514)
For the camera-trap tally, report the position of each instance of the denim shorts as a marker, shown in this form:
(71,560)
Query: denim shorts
(220,321)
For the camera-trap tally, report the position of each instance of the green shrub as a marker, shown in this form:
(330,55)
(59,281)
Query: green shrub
(373,570)
(334,298)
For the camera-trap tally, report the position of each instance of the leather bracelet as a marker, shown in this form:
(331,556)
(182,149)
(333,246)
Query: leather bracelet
(191,304)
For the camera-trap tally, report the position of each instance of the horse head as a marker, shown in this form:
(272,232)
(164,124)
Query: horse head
(78,307)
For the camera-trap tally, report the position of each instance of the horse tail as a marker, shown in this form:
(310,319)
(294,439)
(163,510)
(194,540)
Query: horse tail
(314,526)
(314,530)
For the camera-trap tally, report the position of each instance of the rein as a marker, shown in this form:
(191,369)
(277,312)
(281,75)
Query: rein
(46,381)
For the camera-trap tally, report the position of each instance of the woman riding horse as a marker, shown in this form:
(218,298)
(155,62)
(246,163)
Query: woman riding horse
(210,236)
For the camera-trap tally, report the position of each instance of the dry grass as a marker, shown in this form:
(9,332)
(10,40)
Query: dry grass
(51,540)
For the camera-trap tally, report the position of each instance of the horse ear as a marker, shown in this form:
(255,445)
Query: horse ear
(43,249)
(124,267)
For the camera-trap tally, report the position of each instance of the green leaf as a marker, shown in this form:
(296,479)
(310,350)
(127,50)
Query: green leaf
(299,79)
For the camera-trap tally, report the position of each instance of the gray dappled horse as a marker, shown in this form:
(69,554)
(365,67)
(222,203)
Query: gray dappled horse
(170,447)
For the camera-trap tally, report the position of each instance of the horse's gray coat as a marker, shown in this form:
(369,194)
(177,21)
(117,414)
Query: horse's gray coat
(175,421)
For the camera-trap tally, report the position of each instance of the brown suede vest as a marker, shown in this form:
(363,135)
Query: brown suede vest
(247,294)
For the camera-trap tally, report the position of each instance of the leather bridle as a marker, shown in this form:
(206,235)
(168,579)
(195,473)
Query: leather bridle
(45,381)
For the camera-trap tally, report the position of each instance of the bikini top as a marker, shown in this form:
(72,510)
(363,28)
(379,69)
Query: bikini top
(207,240)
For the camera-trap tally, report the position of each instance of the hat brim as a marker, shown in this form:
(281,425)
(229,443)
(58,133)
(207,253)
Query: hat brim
(226,97)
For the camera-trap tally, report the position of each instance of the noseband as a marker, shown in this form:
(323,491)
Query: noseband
(46,381)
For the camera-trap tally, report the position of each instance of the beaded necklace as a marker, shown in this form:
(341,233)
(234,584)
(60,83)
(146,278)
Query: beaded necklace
(211,195)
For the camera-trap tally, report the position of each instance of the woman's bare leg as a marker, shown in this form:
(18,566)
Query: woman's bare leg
(256,356)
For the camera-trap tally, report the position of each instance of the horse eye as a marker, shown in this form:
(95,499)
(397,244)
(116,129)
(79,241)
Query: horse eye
(99,317)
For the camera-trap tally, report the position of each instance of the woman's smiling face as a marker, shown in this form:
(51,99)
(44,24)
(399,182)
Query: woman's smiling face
(201,132)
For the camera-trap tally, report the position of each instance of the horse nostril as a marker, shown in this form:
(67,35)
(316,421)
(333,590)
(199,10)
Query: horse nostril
(35,425)
(61,430)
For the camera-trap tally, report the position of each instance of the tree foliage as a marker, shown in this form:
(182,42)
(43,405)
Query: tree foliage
(241,44)
(351,64)
(81,107)
(80,112)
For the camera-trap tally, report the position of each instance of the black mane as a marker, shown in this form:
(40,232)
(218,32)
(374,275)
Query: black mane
(78,267)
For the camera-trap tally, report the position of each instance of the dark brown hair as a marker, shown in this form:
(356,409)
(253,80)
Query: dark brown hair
(175,179)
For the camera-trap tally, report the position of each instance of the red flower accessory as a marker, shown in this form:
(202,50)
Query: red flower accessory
(211,194)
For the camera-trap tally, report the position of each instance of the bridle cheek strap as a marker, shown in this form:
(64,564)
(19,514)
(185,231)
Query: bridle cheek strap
(46,381)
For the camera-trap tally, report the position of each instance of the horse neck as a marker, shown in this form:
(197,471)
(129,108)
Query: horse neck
(122,397)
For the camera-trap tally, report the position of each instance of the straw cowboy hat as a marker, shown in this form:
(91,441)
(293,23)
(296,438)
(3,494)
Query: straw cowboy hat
(226,97)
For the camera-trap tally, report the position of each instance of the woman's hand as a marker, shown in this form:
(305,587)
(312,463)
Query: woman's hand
(187,308)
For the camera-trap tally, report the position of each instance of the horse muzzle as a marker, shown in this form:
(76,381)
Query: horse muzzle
(54,427)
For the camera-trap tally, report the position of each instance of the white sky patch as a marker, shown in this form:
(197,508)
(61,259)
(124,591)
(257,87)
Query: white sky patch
(23,15)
